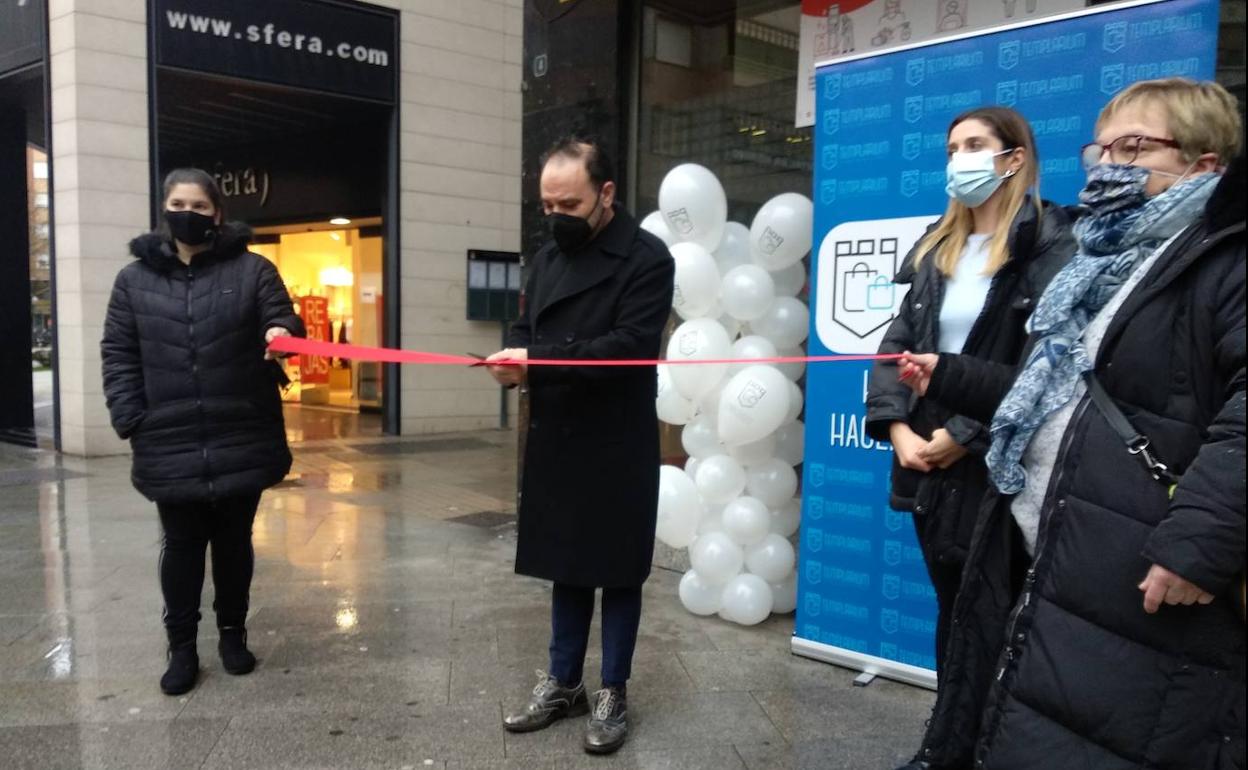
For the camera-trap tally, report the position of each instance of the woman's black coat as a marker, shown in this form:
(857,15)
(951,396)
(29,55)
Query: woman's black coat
(945,502)
(1054,663)
(184,372)
(590,490)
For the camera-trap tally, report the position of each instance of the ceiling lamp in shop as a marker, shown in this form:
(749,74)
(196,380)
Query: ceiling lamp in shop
(336,276)
(340,221)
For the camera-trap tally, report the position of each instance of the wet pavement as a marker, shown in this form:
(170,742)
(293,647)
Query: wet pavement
(391,633)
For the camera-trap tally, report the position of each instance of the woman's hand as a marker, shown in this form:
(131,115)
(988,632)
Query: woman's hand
(942,451)
(273,333)
(511,373)
(1162,585)
(908,445)
(915,370)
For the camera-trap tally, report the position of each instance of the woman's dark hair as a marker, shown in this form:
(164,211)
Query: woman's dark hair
(201,179)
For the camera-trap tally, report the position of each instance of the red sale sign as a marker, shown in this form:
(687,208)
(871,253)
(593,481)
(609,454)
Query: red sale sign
(314,370)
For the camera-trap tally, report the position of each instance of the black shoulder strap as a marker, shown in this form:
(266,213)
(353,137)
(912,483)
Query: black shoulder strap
(1136,442)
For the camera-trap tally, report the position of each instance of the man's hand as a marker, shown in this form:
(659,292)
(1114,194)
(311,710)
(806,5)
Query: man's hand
(273,333)
(1162,585)
(942,451)
(908,446)
(510,373)
(915,370)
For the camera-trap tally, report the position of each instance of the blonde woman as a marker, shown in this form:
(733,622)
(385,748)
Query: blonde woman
(1117,459)
(973,279)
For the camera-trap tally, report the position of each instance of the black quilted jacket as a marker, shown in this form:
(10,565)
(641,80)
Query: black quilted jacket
(184,372)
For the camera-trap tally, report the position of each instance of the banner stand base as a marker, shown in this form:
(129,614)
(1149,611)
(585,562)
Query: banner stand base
(868,664)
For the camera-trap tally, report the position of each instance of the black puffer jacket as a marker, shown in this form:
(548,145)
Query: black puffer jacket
(1067,670)
(184,371)
(1039,247)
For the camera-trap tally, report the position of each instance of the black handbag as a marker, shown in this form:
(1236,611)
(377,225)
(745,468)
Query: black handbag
(1138,444)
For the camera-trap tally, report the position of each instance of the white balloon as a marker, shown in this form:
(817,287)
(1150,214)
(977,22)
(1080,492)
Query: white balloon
(751,346)
(753,404)
(734,247)
(698,340)
(790,281)
(786,323)
(784,595)
(694,205)
(697,281)
(671,407)
(781,233)
(746,292)
(747,521)
(679,508)
(698,595)
(791,442)
(796,402)
(712,520)
(787,519)
(792,371)
(716,558)
(691,467)
(746,600)
(656,225)
(720,479)
(773,482)
(755,451)
(708,402)
(772,559)
(700,439)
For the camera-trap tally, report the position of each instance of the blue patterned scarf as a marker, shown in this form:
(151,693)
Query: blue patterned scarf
(1123,228)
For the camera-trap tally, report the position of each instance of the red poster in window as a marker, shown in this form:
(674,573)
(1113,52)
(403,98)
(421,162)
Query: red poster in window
(314,370)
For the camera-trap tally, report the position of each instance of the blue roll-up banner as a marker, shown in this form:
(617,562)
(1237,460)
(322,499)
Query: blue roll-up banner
(864,599)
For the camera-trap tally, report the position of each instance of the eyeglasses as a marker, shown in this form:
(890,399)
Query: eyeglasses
(1123,150)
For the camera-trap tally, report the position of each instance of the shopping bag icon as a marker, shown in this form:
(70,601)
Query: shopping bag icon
(856,287)
(881,293)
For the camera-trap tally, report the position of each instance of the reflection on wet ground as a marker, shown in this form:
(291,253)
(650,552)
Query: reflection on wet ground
(391,630)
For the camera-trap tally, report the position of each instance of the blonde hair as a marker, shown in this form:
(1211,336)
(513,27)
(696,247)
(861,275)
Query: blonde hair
(1202,116)
(948,239)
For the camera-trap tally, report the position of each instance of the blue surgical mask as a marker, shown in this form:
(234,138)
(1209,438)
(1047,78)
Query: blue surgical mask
(971,177)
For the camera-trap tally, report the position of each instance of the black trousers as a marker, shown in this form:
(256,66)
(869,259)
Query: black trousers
(946,579)
(572,611)
(189,528)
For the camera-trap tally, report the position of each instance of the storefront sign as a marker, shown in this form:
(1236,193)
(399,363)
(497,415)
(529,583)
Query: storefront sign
(21,33)
(308,43)
(314,370)
(835,28)
(864,599)
(242,182)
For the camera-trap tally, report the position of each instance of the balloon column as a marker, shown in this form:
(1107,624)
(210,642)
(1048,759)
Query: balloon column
(734,505)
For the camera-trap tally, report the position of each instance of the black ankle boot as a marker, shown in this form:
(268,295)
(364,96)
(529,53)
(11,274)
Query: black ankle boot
(235,657)
(183,667)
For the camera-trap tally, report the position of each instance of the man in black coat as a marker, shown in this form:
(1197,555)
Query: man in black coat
(601,289)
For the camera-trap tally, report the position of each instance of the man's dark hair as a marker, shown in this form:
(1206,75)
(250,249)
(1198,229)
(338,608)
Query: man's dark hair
(588,149)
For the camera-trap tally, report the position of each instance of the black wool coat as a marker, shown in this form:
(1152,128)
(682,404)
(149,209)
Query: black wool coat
(946,501)
(590,486)
(185,378)
(1053,662)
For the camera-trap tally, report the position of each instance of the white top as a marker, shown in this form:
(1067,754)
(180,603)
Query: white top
(965,292)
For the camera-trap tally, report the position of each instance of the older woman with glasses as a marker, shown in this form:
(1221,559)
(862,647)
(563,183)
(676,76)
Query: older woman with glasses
(1099,620)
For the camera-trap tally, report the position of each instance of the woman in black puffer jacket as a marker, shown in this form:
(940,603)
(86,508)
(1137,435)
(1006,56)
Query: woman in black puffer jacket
(973,279)
(188,381)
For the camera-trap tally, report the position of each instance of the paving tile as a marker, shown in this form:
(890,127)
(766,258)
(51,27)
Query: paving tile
(108,746)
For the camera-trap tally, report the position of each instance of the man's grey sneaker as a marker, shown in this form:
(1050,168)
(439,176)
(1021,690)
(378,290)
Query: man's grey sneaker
(550,702)
(608,724)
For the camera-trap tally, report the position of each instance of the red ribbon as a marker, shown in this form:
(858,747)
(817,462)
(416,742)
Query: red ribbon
(300,346)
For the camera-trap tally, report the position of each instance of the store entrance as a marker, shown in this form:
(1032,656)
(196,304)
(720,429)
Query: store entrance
(334,271)
(27,362)
(308,173)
